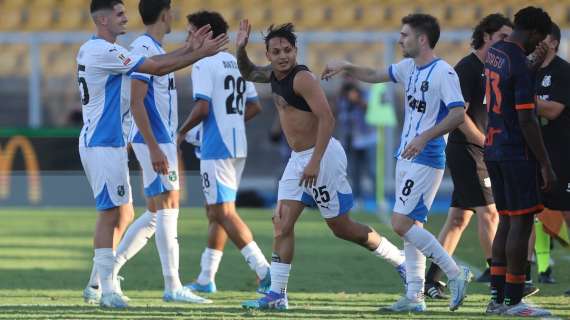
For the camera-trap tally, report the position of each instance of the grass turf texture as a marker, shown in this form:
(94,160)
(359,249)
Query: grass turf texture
(45,261)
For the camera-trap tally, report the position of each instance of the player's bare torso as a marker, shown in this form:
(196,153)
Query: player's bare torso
(299,127)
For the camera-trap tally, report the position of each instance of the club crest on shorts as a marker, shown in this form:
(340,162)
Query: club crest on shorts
(121,190)
(172,176)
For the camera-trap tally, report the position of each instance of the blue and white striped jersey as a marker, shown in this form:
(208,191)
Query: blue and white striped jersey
(217,80)
(430,91)
(102,67)
(161,102)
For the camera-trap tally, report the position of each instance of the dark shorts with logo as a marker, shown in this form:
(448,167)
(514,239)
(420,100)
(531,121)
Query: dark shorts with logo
(559,197)
(471,182)
(515,187)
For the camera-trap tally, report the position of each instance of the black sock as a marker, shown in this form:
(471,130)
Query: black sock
(434,273)
(498,277)
(527,271)
(513,293)
(489,261)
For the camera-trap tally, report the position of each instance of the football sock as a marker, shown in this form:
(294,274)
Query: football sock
(389,252)
(209,264)
(415,268)
(514,288)
(498,275)
(255,259)
(279,276)
(430,247)
(167,244)
(104,259)
(94,278)
(135,238)
(434,273)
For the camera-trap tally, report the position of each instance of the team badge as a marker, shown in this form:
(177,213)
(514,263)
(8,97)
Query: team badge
(425,86)
(546,81)
(121,190)
(172,176)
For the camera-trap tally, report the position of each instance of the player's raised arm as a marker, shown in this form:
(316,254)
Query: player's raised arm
(361,73)
(248,69)
(308,86)
(200,45)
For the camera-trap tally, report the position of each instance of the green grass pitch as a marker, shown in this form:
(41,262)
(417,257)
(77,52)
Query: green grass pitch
(45,260)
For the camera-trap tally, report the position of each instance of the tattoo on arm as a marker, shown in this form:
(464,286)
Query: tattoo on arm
(250,71)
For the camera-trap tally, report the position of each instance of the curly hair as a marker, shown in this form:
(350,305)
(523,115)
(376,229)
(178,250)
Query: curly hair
(490,24)
(214,19)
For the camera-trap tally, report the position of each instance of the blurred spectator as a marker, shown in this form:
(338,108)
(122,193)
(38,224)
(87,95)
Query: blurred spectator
(75,118)
(358,138)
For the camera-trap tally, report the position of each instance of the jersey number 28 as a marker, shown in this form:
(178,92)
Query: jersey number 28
(235,102)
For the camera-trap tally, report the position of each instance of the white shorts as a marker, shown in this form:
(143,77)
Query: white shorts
(155,184)
(221,178)
(416,186)
(332,194)
(107,170)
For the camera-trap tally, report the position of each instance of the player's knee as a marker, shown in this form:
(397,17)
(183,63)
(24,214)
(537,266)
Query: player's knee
(400,228)
(282,229)
(459,222)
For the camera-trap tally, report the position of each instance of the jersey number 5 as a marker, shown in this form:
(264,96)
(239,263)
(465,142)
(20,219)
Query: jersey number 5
(492,84)
(237,90)
(83,86)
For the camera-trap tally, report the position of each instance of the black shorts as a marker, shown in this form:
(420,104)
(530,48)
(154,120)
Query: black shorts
(515,187)
(559,197)
(471,183)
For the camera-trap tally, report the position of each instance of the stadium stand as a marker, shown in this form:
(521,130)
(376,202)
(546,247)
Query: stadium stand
(57,60)
(36,15)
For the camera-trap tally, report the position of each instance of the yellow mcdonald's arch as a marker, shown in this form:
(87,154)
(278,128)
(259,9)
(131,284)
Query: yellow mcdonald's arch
(7,155)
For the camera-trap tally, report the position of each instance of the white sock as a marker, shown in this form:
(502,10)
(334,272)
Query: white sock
(279,277)
(135,238)
(415,270)
(94,278)
(167,243)
(255,259)
(104,259)
(431,248)
(209,265)
(389,252)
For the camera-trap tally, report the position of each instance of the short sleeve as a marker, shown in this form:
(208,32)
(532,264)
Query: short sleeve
(118,60)
(202,82)
(398,71)
(250,92)
(466,80)
(559,87)
(140,49)
(524,92)
(450,89)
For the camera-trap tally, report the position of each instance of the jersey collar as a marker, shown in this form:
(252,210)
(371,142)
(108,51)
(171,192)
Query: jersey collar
(429,64)
(154,40)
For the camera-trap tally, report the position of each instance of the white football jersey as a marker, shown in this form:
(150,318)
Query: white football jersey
(430,91)
(217,80)
(161,101)
(102,67)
